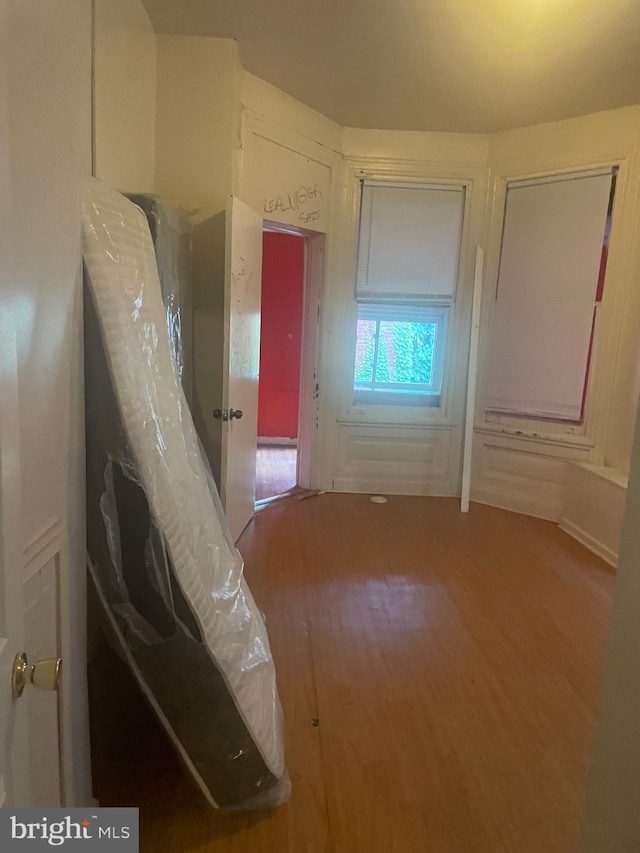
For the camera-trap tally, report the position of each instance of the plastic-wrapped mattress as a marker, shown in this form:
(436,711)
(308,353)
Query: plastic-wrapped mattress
(164,566)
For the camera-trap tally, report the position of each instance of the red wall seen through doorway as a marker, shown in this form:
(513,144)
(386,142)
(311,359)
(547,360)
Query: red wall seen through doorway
(280,335)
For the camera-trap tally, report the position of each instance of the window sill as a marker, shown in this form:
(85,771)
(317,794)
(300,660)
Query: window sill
(396,400)
(395,417)
(559,439)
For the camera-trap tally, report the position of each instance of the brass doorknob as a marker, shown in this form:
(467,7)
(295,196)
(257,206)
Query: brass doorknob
(235,413)
(43,674)
(221,414)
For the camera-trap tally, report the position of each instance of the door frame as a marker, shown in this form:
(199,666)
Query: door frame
(314,250)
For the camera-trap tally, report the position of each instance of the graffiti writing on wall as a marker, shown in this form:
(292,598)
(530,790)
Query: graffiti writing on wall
(298,201)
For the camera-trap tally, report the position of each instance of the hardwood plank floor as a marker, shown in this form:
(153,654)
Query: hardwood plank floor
(276,470)
(439,675)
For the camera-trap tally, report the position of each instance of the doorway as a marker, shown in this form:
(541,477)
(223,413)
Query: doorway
(288,333)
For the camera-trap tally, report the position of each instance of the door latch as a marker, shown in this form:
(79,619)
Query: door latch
(227,414)
(43,674)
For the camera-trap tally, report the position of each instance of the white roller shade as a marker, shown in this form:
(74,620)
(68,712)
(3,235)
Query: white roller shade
(551,251)
(409,242)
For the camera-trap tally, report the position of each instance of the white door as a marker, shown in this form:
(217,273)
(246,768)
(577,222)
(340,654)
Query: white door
(13,776)
(243,280)
(45,148)
(227,285)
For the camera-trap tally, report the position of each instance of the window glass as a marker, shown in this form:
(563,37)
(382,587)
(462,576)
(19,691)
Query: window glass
(399,351)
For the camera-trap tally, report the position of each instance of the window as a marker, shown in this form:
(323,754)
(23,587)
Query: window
(399,353)
(408,257)
(548,295)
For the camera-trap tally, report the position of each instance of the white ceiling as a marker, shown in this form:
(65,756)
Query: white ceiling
(449,65)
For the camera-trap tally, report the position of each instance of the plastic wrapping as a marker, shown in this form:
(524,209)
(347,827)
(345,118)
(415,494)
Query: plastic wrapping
(165,568)
(171,234)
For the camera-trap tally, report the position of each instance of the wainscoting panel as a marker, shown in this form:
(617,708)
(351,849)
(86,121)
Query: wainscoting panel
(522,475)
(395,461)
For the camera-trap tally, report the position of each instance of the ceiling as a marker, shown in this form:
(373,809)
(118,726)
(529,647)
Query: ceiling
(447,65)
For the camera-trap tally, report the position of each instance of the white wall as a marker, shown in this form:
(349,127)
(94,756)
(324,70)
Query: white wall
(415,146)
(593,508)
(197,122)
(287,157)
(125,95)
(261,98)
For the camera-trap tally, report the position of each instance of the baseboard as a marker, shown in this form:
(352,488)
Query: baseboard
(545,507)
(275,440)
(589,541)
(391,486)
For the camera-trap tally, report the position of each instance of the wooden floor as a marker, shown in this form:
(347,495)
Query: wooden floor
(275,470)
(439,675)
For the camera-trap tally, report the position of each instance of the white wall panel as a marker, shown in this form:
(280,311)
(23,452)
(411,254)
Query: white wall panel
(286,185)
(125,95)
(593,508)
(197,122)
(523,476)
(400,461)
